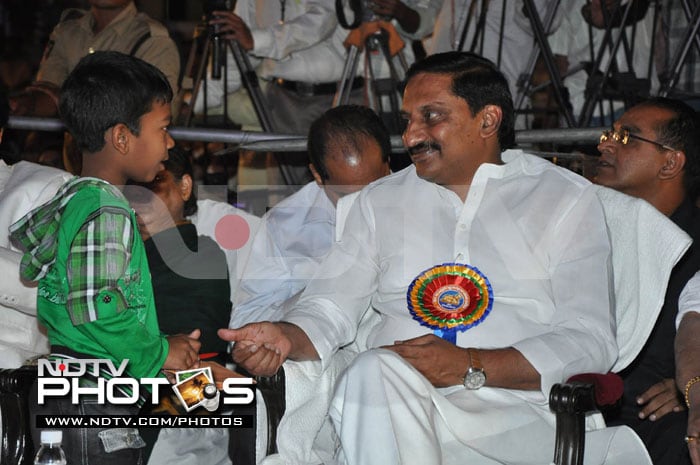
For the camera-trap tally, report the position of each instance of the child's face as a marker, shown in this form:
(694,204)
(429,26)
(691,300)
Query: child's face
(152,144)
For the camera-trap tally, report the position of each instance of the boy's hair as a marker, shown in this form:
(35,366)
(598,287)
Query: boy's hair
(478,81)
(108,88)
(346,125)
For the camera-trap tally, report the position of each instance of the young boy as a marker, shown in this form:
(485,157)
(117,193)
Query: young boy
(83,247)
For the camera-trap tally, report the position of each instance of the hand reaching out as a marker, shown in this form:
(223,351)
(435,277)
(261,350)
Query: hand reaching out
(261,348)
(183,353)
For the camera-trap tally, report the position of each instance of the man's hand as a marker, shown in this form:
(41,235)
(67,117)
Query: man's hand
(441,362)
(232,27)
(261,348)
(390,8)
(659,400)
(694,432)
(407,17)
(183,353)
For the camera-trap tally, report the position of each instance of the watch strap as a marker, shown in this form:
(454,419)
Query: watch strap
(474,360)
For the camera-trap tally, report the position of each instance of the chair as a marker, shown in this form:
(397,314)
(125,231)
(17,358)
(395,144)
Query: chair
(17,447)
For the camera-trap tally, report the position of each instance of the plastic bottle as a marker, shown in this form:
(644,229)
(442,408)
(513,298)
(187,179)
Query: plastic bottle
(50,452)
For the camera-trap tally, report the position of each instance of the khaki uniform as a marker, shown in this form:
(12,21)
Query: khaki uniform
(131,32)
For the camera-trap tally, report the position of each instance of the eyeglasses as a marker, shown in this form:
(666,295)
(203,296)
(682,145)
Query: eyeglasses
(623,136)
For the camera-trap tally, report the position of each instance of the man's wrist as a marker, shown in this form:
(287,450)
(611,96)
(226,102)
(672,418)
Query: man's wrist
(688,386)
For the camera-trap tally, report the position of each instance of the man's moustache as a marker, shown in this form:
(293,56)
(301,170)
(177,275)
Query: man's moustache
(423,147)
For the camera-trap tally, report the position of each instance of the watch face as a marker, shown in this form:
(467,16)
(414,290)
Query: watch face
(474,379)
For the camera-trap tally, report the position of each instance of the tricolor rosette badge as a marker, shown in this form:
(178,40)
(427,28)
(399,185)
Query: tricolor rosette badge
(449,298)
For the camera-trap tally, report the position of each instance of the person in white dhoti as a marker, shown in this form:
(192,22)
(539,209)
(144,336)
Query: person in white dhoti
(490,271)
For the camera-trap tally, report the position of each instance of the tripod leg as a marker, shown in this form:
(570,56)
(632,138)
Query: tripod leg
(251,84)
(546,52)
(342,94)
(589,105)
(250,81)
(524,81)
(682,53)
(197,84)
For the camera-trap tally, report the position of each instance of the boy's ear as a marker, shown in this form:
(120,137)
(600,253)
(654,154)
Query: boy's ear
(119,137)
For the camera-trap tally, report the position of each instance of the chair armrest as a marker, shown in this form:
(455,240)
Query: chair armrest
(570,402)
(16,441)
(272,389)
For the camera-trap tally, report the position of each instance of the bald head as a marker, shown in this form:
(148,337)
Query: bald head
(349,147)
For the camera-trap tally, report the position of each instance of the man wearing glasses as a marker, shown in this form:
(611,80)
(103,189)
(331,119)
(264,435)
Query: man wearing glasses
(653,152)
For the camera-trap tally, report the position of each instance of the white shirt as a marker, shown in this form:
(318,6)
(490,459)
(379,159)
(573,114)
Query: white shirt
(307,46)
(23,186)
(293,239)
(232,229)
(536,231)
(689,300)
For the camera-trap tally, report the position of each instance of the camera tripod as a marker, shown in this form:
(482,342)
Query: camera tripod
(211,48)
(691,37)
(375,37)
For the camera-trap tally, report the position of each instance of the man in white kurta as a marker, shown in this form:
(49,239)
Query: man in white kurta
(537,232)
(349,147)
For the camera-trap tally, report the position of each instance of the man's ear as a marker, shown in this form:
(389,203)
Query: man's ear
(674,164)
(186,187)
(119,137)
(491,116)
(317,177)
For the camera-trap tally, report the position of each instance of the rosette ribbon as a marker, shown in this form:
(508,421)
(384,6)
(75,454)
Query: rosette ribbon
(450,298)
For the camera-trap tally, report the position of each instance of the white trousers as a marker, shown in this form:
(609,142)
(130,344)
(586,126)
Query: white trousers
(385,412)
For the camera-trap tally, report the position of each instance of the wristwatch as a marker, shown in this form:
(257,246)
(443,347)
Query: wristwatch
(475,377)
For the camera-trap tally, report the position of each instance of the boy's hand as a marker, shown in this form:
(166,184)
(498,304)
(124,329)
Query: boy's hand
(184,351)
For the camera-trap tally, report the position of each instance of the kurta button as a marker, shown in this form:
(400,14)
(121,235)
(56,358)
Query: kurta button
(106,299)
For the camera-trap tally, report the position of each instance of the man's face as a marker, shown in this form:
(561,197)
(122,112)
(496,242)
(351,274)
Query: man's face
(441,134)
(632,168)
(350,172)
(151,146)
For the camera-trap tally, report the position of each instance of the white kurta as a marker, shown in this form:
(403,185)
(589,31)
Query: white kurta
(535,230)
(689,300)
(293,239)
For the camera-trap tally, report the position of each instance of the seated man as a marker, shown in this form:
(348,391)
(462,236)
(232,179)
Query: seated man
(490,272)
(349,147)
(653,153)
(23,186)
